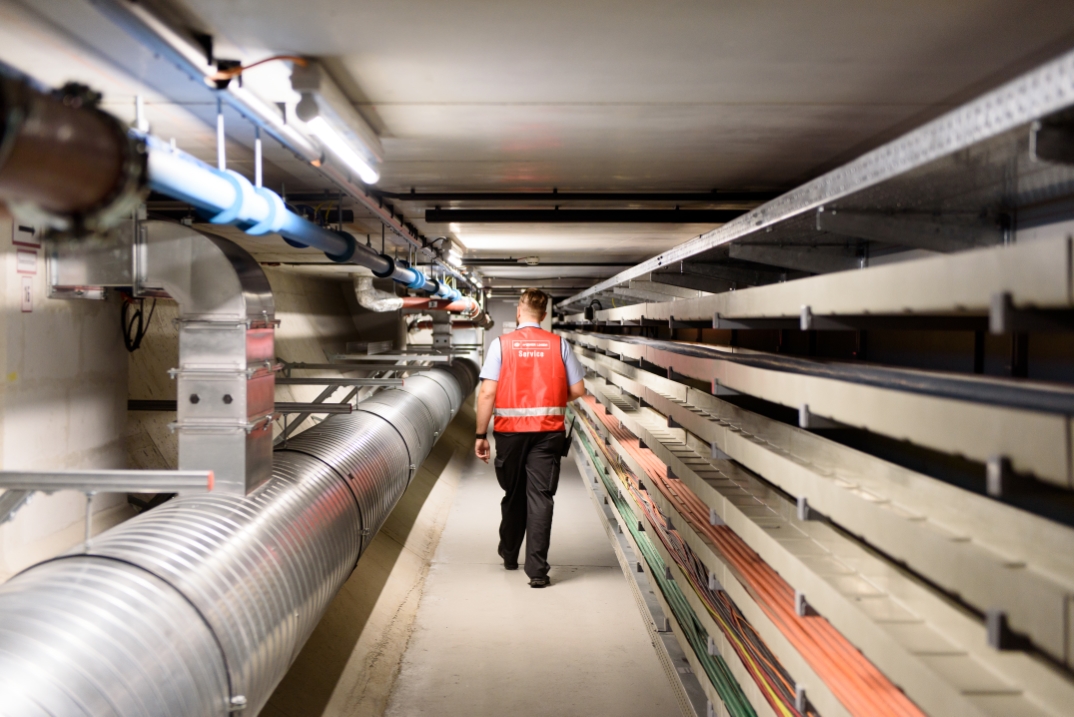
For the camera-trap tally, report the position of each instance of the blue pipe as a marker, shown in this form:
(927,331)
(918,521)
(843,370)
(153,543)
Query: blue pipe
(228,198)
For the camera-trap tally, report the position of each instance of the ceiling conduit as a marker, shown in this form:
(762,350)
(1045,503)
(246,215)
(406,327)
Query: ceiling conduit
(199,607)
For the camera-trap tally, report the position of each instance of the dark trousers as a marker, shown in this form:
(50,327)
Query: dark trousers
(527,467)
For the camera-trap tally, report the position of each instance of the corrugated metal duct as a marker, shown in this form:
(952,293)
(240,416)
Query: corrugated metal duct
(200,606)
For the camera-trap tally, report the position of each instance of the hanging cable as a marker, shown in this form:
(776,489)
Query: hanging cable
(135,325)
(227,73)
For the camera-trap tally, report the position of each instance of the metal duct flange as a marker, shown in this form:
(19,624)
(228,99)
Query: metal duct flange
(91,636)
(366,452)
(449,382)
(409,416)
(435,397)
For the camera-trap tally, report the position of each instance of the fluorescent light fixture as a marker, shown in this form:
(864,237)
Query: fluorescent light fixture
(454,257)
(334,142)
(330,117)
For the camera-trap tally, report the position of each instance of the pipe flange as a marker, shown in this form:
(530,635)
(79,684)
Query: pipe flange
(348,254)
(130,189)
(276,209)
(419,281)
(19,95)
(242,189)
(389,271)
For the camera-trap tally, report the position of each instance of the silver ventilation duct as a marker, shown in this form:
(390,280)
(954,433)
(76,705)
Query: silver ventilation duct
(200,606)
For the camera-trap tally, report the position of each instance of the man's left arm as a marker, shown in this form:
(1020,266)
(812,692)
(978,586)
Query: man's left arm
(575,373)
(576,390)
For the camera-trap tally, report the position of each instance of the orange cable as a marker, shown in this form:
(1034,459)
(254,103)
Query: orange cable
(851,677)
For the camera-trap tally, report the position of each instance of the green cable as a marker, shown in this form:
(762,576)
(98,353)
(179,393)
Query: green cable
(715,668)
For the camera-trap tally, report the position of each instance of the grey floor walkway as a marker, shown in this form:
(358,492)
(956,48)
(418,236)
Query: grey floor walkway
(485,643)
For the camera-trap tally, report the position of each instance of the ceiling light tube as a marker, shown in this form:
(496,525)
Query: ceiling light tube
(334,143)
(329,116)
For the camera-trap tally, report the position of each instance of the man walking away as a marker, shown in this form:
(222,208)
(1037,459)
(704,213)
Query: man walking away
(529,376)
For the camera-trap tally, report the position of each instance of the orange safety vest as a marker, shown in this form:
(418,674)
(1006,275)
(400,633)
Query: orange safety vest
(531,395)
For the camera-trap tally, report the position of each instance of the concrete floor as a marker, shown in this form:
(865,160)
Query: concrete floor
(485,643)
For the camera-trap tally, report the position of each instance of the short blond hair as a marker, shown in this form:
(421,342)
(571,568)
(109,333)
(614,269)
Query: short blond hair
(535,300)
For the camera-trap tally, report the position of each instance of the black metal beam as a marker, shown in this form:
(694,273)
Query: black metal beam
(555,196)
(519,263)
(582,216)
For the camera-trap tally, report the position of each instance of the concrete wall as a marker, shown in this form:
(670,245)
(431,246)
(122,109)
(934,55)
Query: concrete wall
(63,394)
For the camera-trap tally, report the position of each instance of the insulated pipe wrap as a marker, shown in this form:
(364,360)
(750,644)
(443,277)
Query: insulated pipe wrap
(199,607)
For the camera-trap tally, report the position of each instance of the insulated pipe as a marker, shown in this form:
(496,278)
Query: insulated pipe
(425,325)
(229,198)
(190,59)
(198,607)
(68,165)
(464,305)
(374,300)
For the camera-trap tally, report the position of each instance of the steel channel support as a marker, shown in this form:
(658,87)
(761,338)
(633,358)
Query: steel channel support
(109,481)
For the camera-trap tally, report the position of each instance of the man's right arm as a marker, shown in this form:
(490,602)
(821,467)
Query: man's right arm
(486,404)
(486,397)
(576,390)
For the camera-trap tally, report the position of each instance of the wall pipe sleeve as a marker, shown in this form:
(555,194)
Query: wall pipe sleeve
(229,198)
(198,607)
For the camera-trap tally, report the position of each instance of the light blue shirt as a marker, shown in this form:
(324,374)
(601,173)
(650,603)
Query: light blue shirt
(494,360)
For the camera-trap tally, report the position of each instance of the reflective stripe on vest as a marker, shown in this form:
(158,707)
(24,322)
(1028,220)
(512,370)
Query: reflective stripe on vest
(531,394)
(516,412)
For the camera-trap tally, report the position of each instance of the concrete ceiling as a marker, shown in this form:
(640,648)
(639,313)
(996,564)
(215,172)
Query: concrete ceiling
(598,95)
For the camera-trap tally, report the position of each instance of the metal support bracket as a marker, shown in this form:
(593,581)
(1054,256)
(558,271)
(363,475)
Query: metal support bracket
(333,381)
(19,486)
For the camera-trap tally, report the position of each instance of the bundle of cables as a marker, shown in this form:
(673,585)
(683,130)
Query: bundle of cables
(715,668)
(851,677)
(775,682)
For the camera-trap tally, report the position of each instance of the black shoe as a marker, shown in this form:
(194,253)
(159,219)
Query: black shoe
(541,582)
(509,564)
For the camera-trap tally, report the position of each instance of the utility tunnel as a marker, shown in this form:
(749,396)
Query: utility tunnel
(808,269)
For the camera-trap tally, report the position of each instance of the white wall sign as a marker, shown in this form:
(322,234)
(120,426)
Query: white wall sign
(27,294)
(26,261)
(25,235)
